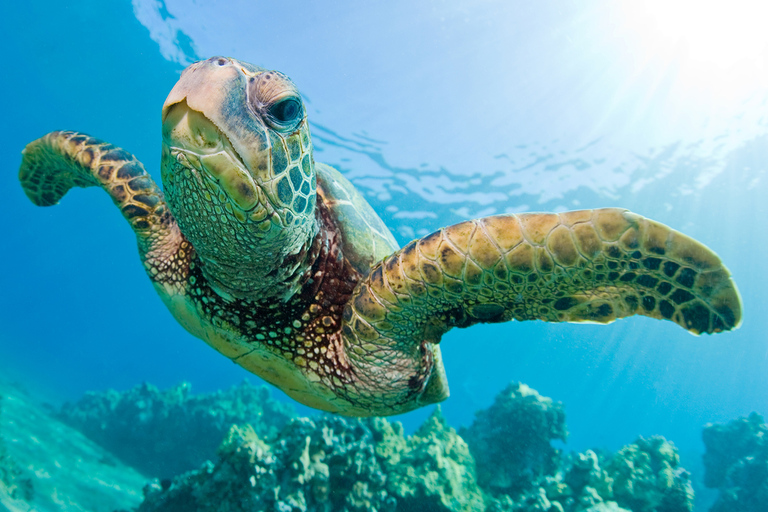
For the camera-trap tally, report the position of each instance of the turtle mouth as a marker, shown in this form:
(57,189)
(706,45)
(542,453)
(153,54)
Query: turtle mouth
(198,144)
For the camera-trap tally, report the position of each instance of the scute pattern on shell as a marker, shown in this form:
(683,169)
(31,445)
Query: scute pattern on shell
(581,266)
(281,265)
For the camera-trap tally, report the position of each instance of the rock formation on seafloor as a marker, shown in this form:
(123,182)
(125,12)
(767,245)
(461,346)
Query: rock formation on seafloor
(330,464)
(511,440)
(521,471)
(736,463)
(647,477)
(164,433)
(273,461)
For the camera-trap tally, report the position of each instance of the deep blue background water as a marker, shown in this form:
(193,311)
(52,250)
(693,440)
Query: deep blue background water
(437,111)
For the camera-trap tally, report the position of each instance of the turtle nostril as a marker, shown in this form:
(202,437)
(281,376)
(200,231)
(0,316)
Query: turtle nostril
(221,61)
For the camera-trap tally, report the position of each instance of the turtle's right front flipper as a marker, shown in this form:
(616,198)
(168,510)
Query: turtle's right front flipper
(581,266)
(55,163)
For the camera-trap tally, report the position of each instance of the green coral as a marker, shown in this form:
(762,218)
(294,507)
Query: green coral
(585,473)
(579,485)
(511,440)
(436,463)
(242,480)
(522,472)
(323,460)
(164,433)
(647,477)
(642,477)
(330,464)
(585,485)
(736,462)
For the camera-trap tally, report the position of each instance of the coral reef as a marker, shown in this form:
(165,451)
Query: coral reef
(336,464)
(436,463)
(511,440)
(642,477)
(330,464)
(164,433)
(736,463)
(647,477)
(521,471)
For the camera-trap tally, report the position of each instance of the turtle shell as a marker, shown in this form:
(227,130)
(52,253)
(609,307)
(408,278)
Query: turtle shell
(365,238)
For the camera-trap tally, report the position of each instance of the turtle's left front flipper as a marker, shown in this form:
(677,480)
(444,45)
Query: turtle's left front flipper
(60,160)
(582,266)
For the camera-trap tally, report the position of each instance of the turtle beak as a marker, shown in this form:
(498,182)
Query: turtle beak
(201,84)
(217,89)
(208,150)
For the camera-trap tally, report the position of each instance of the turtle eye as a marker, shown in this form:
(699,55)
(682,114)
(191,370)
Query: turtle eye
(286,114)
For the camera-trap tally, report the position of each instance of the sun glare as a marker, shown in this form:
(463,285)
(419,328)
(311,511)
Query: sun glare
(721,41)
(718,33)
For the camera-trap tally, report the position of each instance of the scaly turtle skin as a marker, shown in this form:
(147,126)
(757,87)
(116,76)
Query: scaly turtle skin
(279,263)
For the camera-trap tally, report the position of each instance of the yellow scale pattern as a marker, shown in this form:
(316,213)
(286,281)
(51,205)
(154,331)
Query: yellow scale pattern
(589,265)
(580,266)
(60,160)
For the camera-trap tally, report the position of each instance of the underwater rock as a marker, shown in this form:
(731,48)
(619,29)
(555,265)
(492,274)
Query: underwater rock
(521,471)
(578,485)
(736,462)
(609,506)
(585,476)
(535,501)
(642,477)
(242,480)
(330,464)
(53,467)
(511,440)
(647,477)
(436,465)
(164,433)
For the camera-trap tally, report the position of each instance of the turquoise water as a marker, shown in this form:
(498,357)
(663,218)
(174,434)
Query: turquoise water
(437,112)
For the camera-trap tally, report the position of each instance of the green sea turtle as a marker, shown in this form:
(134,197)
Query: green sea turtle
(277,262)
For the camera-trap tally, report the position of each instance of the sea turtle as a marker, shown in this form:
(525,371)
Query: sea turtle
(277,262)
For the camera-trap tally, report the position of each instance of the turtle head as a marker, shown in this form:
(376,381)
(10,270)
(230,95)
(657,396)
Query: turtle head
(238,172)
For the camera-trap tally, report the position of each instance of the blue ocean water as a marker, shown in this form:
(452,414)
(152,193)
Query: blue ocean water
(437,111)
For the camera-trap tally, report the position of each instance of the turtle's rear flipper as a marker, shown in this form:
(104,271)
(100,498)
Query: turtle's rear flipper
(61,160)
(582,266)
